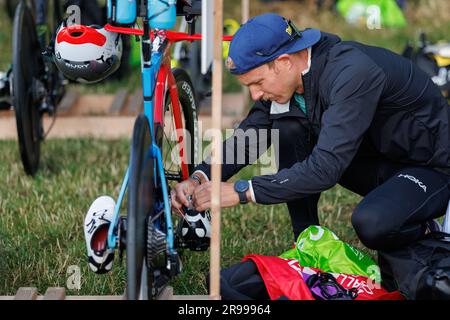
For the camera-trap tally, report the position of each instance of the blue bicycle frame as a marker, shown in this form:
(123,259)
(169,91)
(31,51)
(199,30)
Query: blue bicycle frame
(151,57)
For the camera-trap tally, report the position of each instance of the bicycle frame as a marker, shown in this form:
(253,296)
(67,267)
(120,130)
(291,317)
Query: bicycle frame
(157,78)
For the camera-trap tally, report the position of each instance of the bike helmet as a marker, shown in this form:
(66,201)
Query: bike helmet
(87,54)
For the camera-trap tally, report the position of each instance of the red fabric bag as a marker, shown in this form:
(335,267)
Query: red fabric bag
(284,277)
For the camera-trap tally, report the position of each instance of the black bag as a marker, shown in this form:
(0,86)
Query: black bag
(420,271)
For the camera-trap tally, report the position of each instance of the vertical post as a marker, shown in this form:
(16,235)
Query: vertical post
(245,17)
(245,10)
(216,168)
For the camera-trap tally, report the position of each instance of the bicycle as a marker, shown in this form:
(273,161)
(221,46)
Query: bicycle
(36,85)
(11,5)
(188,57)
(147,233)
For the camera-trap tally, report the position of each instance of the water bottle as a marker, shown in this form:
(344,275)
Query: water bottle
(122,12)
(162,14)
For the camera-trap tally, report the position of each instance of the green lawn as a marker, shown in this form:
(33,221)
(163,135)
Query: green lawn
(41,219)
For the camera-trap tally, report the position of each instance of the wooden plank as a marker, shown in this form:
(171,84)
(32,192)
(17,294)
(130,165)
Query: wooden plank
(69,99)
(102,127)
(92,105)
(94,298)
(166,293)
(191,297)
(119,102)
(136,104)
(55,294)
(26,294)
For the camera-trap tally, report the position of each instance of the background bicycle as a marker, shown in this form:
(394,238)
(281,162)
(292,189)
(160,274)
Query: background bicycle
(33,86)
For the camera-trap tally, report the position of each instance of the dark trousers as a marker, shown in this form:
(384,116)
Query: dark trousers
(398,198)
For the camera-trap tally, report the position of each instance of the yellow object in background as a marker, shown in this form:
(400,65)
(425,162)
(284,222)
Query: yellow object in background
(230,27)
(442,61)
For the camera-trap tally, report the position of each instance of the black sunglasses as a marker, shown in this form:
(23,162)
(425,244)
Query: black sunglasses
(296,34)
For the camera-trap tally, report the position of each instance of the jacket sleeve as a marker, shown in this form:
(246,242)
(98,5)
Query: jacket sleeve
(248,142)
(355,84)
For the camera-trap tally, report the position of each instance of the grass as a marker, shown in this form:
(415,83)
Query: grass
(41,219)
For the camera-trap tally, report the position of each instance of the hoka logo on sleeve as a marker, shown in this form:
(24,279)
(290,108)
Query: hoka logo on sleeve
(415,180)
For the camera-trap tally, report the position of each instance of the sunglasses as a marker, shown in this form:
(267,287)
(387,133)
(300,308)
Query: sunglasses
(296,34)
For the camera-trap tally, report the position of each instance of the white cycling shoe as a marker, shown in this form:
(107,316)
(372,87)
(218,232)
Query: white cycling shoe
(96,225)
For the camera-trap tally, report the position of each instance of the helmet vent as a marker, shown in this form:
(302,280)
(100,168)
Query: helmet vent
(76,34)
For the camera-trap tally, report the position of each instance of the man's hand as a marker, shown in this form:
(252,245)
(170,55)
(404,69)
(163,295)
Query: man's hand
(202,196)
(180,193)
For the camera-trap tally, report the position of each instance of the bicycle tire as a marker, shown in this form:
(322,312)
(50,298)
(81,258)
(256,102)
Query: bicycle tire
(26,67)
(140,202)
(11,6)
(142,194)
(188,103)
(157,260)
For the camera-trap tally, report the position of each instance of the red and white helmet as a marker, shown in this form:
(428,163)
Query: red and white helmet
(87,53)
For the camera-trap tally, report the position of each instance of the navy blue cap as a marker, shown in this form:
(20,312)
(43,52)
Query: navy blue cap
(264,38)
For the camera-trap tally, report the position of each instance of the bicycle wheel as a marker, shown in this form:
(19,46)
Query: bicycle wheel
(11,6)
(168,141)
(140,204)
(25,86)
(147,259)
(161,265)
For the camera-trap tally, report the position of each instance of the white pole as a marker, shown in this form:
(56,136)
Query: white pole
(216,168)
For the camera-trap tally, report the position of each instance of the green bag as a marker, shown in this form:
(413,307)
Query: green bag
(318,247)
(359,11)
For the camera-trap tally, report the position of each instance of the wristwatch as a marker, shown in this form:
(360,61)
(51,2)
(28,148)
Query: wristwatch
(195,178)
(241,187)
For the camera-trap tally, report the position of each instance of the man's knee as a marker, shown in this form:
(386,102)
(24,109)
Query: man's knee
(368,224)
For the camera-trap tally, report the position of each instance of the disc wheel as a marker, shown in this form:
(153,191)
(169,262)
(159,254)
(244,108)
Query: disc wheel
(25,87)
(140,205)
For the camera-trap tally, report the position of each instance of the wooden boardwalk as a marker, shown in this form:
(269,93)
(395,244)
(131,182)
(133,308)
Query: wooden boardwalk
(31,293)
(112,116)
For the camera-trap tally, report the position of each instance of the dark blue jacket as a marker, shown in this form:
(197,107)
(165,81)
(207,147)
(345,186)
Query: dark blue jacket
(354,93)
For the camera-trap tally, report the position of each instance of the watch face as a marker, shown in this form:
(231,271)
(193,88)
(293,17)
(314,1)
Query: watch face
(241,186)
